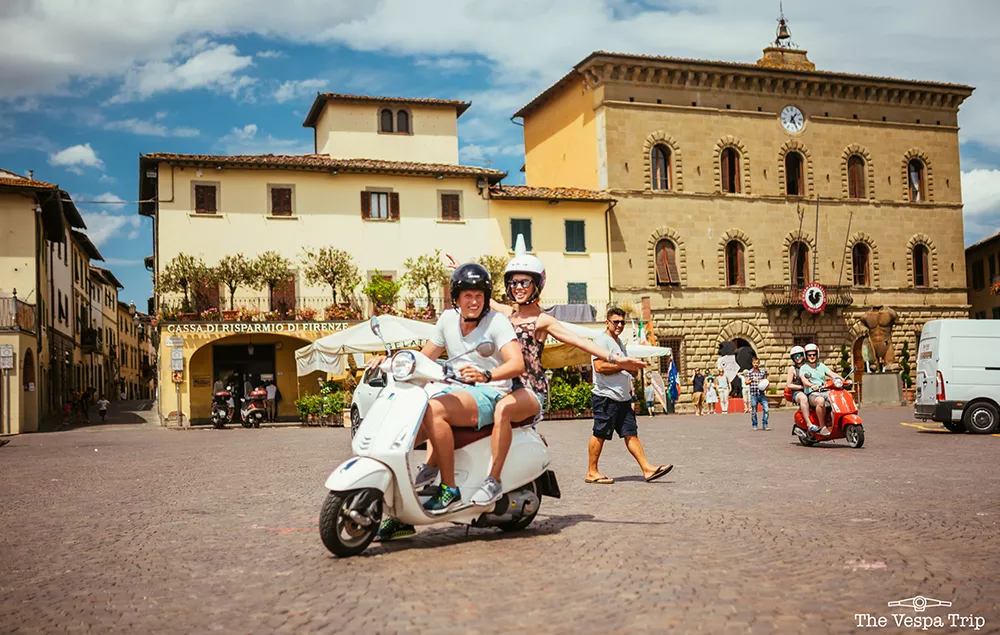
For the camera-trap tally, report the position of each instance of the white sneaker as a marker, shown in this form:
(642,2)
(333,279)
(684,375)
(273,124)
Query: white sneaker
(824,431)
(489,493)
(426,475)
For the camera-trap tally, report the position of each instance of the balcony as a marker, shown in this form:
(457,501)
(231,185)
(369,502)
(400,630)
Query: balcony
(786,296)
(90,340)
(16,315)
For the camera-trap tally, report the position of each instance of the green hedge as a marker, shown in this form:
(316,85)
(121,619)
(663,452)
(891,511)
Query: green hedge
(564,396)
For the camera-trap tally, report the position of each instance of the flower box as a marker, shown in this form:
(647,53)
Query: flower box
(230,315)
(566,413)
(188,317)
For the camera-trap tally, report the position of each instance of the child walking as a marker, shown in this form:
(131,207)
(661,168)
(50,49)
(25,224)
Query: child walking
(711,394)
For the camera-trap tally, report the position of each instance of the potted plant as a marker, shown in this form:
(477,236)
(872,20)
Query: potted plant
(383,294)
(269,270)
(333,267)
(182,275)
(774,400)
(305,314)
(210,314)
(341,312)
(424,273)
(332,409)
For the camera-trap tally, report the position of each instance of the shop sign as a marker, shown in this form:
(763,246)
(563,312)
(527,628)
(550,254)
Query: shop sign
(175,341)
(6,356)
(257,327)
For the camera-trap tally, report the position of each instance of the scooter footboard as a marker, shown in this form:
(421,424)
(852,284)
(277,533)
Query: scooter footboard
(361,472)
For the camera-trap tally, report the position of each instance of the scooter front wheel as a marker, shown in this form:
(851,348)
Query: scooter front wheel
(855,435)
(349,521)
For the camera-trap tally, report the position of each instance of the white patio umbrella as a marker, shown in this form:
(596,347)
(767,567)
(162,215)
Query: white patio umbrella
(327,353)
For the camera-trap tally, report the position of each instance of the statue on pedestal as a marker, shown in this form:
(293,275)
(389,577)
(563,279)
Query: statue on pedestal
(877,349)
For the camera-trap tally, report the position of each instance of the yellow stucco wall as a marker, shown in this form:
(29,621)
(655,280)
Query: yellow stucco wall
(561,140)
(17,246)
(327,212)
(23,402)
(351,131)
(549,243)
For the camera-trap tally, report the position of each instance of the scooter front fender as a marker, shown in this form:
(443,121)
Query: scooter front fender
(361,472)
(850,419)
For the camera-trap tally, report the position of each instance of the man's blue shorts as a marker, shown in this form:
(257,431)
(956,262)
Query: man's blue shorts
(486,401)
(612,416)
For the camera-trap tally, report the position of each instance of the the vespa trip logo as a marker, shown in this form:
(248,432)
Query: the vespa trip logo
(919,604)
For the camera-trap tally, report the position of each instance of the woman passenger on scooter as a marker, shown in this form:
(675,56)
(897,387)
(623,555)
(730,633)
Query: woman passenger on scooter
(794,383)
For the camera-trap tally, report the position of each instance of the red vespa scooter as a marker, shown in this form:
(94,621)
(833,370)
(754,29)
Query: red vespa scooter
(841,418)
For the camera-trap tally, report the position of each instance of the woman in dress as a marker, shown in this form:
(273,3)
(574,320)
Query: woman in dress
(711,394)
(722,382)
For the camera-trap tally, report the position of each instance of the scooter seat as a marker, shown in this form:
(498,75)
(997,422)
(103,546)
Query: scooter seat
(465,436)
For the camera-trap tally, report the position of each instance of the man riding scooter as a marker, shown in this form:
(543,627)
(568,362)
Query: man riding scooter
(814,374)
(793,383)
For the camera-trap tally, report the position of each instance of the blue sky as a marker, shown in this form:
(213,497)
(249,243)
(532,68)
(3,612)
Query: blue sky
(87,86)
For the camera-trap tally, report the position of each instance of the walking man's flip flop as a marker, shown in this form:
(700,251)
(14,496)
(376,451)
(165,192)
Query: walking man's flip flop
(602,480)
(660,471)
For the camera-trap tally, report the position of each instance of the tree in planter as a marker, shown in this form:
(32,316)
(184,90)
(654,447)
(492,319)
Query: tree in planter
(333,267)
(234,271)
(271,269)
(496,266)
(425,272)
(183,274)
(382,292)
(904,365)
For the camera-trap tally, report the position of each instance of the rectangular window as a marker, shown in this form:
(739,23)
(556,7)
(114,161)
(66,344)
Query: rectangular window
(205,199)
(576,292)
(978,279)
(576,241)
(993,269)
(522,227)
(675,350)
(281,201)
(380,205)
(450,207)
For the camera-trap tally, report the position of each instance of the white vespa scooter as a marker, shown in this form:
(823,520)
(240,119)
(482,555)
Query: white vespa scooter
(378,479)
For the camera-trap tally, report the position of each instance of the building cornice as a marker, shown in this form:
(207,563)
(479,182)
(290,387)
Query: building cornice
(626,194)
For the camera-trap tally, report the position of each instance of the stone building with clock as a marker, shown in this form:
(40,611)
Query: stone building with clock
(738,184)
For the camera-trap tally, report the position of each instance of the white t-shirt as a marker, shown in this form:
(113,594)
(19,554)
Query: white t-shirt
(272,390)
(102,404)
(495,327)
(617,386)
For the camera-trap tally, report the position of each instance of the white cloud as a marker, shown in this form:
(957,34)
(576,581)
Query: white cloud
(298,89)
(981,196)
(487,154)
(150,128)
(445,64)
(106,217)
(245,141)
(264,55)
(75,158)
(213,68)
(107,179)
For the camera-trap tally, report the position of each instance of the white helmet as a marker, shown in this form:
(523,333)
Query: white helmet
(811,348)
(797,350)
(763,384)
(523,262)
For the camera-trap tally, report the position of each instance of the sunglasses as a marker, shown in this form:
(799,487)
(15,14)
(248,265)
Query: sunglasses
(812,353)
(617,322)
(798,355)
(519,284)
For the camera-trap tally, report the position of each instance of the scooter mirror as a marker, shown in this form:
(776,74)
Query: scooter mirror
(486,348)
(373,323)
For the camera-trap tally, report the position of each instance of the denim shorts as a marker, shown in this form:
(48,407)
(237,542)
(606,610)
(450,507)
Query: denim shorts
(486,401)
(795,395)
(612,416)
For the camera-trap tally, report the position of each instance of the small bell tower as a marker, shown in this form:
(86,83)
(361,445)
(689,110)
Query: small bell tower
(783,52)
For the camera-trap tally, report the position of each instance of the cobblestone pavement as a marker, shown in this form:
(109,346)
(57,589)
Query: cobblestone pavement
(136,529)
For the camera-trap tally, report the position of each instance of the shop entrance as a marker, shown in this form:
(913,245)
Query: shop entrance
(237,364)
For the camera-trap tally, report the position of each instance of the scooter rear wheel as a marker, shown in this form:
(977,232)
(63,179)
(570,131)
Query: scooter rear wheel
(855,435)
(341,534)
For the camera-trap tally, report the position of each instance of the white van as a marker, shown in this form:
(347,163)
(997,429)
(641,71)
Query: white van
(958,375)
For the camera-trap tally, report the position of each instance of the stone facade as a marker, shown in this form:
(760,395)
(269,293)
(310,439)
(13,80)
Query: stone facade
(983,265)
(702,111)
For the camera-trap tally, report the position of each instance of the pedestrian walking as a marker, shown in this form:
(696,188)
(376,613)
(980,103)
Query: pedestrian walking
(102,408)
(612,405)
(650,397)
(722,383)
(698,392)
(711,394)
(753,379)
(745,389)
(272,404)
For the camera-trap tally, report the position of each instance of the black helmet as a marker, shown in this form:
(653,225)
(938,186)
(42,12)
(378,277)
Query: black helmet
(472,276)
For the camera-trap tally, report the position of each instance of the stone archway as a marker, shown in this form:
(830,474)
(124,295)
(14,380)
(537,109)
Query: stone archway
(740,329)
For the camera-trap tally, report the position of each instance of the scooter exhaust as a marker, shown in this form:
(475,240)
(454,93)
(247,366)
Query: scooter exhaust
(512,507)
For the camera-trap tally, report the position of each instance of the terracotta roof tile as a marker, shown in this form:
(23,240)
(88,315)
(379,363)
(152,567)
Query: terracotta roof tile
(523,192)
(982,242)
(322,98)
(575,72)
(322,162)
(11,179)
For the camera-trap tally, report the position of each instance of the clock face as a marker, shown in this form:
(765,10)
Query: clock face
(792,119)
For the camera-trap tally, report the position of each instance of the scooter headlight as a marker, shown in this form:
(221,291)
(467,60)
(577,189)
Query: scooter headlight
(838,382)
(403,364)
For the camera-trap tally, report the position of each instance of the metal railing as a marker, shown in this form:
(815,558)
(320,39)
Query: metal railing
(788,295)
(16,315)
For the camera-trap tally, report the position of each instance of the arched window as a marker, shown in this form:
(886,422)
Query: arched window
(861,261)
(385,120)
(660,162)
(28,371)
(735,268)
(798,263)
(666,263)
(915,171)
(921,266)
(794,174)
(730,159)
(856,176)
(403,121)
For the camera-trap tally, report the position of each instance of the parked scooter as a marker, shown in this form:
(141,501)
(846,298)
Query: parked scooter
(220,409)
(254,409)
(842,417)
(377,480)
